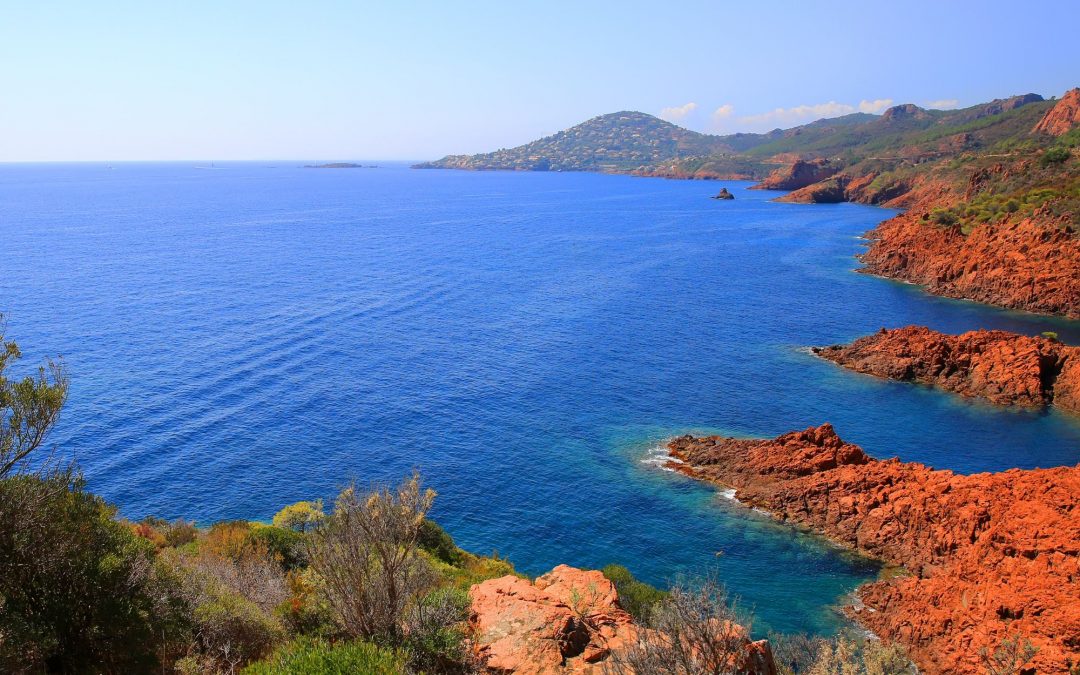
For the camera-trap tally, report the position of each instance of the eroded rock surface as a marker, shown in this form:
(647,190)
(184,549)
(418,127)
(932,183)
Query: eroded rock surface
(990,555)
(798,174)
(568,621)
(1063,116)
(1003,367)
(1028,264)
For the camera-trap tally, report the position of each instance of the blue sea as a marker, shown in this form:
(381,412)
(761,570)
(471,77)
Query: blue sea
(243,336)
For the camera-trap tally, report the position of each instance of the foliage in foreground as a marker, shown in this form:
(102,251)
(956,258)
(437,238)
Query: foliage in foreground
(305,656)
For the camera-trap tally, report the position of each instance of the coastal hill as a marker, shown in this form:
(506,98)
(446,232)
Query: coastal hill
(991,192)
(635,142)
(620,142)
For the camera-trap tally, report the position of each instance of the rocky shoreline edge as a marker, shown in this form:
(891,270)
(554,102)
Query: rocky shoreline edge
(990,557)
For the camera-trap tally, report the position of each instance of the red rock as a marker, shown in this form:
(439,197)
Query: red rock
(1032,264)
(1005,368)
(990,555)
(798,174)
(568,621)
(1063,116)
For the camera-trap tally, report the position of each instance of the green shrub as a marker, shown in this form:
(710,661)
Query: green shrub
(305,656)
(1050,335)
(77,587)
(636,597)
(435,638)
(438,543)
(285,545)
(1054,155)
(944,217)
(234,631)
(301,516)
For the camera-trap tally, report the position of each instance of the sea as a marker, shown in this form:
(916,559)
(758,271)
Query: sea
(241,336)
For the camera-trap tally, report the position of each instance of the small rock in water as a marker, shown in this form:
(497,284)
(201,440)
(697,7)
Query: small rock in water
(724,194)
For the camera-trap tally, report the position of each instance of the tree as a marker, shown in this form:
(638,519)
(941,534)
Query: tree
(300,516)
(79,591)
(366,555)
(28,407)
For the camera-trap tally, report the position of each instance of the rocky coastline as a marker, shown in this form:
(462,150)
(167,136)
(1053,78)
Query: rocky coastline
(1002,367)
(989,556)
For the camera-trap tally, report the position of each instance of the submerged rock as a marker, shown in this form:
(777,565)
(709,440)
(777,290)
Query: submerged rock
(990,555)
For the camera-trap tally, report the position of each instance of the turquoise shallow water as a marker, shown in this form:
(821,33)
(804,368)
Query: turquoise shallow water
(247,336)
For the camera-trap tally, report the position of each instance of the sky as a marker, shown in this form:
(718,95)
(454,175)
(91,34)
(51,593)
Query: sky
(321,81)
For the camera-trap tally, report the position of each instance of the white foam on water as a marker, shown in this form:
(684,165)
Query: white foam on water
(658,457)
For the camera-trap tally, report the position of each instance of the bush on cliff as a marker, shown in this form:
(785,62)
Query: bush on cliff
(698,629)
(367,557)
(315,657)
(636,597)
(301,516)
(78,589)
(1055,155)
(841,655)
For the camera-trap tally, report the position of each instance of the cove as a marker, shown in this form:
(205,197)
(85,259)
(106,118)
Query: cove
(248,336)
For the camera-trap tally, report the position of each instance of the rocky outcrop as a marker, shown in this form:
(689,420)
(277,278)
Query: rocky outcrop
(989,555)
(798,174)
(1003,367)
(724,194)
(1062,117)
(829,191)
(567,621)
(904,112)
(1000,105)
(1031,264)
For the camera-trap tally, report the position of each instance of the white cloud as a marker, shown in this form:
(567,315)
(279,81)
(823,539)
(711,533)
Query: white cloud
(723,112)
(800,113)
(943,104)
(875,106)
(678,113)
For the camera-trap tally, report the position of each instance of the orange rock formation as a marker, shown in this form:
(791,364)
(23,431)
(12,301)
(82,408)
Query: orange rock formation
(568,621)
(1003,367)
(1022,265)
(798,174)
(989,555)
(1063,116)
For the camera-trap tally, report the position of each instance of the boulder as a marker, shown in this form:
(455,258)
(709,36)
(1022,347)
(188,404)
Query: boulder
(567,621)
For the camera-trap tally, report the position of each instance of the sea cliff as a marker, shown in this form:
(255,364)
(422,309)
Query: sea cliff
(988,556)
(1002,367)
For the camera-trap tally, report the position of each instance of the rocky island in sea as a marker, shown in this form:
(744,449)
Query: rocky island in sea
(338,165)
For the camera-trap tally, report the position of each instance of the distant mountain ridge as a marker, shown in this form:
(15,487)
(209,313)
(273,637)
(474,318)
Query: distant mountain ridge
(991,192)
(638,143)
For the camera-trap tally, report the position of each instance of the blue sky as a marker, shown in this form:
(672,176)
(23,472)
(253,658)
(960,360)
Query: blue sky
(415,80)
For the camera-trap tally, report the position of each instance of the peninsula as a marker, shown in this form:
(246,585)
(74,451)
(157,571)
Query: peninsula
(990,192)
